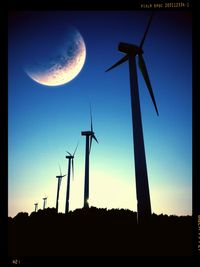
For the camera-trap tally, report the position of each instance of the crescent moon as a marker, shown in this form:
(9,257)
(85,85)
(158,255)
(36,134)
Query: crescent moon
(64,66)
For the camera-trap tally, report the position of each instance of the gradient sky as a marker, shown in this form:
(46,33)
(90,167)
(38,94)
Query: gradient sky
(45,121)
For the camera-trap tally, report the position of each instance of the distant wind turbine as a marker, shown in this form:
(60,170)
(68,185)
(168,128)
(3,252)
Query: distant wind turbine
(58,188)
(70,158)
(44,202)
(142,187)
(36,206)
(89,136)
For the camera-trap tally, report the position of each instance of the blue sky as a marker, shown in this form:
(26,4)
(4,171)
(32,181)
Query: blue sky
(44,122)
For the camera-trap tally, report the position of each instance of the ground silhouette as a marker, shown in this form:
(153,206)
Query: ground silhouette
(97,232)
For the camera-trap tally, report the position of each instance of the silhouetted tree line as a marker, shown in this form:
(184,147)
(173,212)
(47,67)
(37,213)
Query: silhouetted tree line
(98,232)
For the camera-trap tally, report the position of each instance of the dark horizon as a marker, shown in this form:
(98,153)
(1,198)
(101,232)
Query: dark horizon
(98,232)
(94,207)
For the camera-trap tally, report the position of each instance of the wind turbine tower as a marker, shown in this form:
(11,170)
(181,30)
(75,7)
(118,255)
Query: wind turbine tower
(36,206)
(142,187)
(44,202)
(89,136)
(58,188)
(70,158)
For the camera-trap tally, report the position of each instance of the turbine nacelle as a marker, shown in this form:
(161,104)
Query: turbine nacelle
(90,133)
(69,157)
(59,176)
(130,48)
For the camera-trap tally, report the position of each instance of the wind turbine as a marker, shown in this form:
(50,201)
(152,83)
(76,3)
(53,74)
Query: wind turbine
(58,188)
(89,136)
(44,203)
(70,157)
(142,187)
(36,206)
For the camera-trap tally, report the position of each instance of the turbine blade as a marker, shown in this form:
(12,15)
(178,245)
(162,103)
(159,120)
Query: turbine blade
(122,60)
(93,136)
(73,169)
(75,149)
(91,128)
(90,144)
(143,69)
(60,170)
(145,33)
(69,153)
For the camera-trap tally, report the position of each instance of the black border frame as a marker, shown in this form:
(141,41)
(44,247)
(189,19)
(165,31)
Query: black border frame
(93,5)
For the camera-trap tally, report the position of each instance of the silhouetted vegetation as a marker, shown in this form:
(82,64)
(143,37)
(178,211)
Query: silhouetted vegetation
(98,232)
